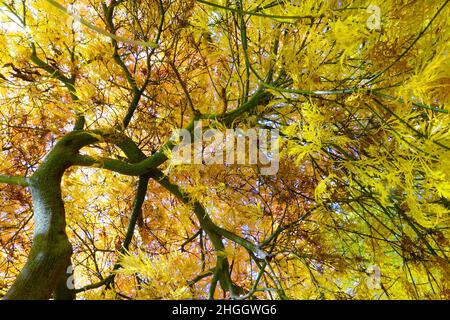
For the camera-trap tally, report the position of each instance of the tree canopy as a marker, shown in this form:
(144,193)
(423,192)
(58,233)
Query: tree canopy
(95,205)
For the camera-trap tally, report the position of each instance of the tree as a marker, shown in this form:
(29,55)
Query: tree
(91,92)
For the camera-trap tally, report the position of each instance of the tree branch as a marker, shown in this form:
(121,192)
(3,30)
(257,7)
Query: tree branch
(69,83)
(222,270)
(18,181)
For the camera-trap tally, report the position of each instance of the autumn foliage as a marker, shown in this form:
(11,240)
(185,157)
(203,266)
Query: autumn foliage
(91,91)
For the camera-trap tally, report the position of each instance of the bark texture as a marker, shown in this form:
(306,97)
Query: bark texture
(44,273)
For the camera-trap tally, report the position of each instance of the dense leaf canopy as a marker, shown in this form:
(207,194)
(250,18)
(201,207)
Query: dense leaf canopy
(359,91)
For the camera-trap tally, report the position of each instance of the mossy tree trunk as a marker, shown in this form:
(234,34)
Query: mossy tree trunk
(44,274)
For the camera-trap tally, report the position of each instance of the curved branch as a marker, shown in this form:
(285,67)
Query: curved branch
(51,250)
(69,83)
(137,92)
(18,181)
(222,270)
(100,30)
(214,232)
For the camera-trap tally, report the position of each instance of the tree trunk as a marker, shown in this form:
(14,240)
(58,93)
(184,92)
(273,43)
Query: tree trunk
(51,250)
(45,271)
(65,288)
